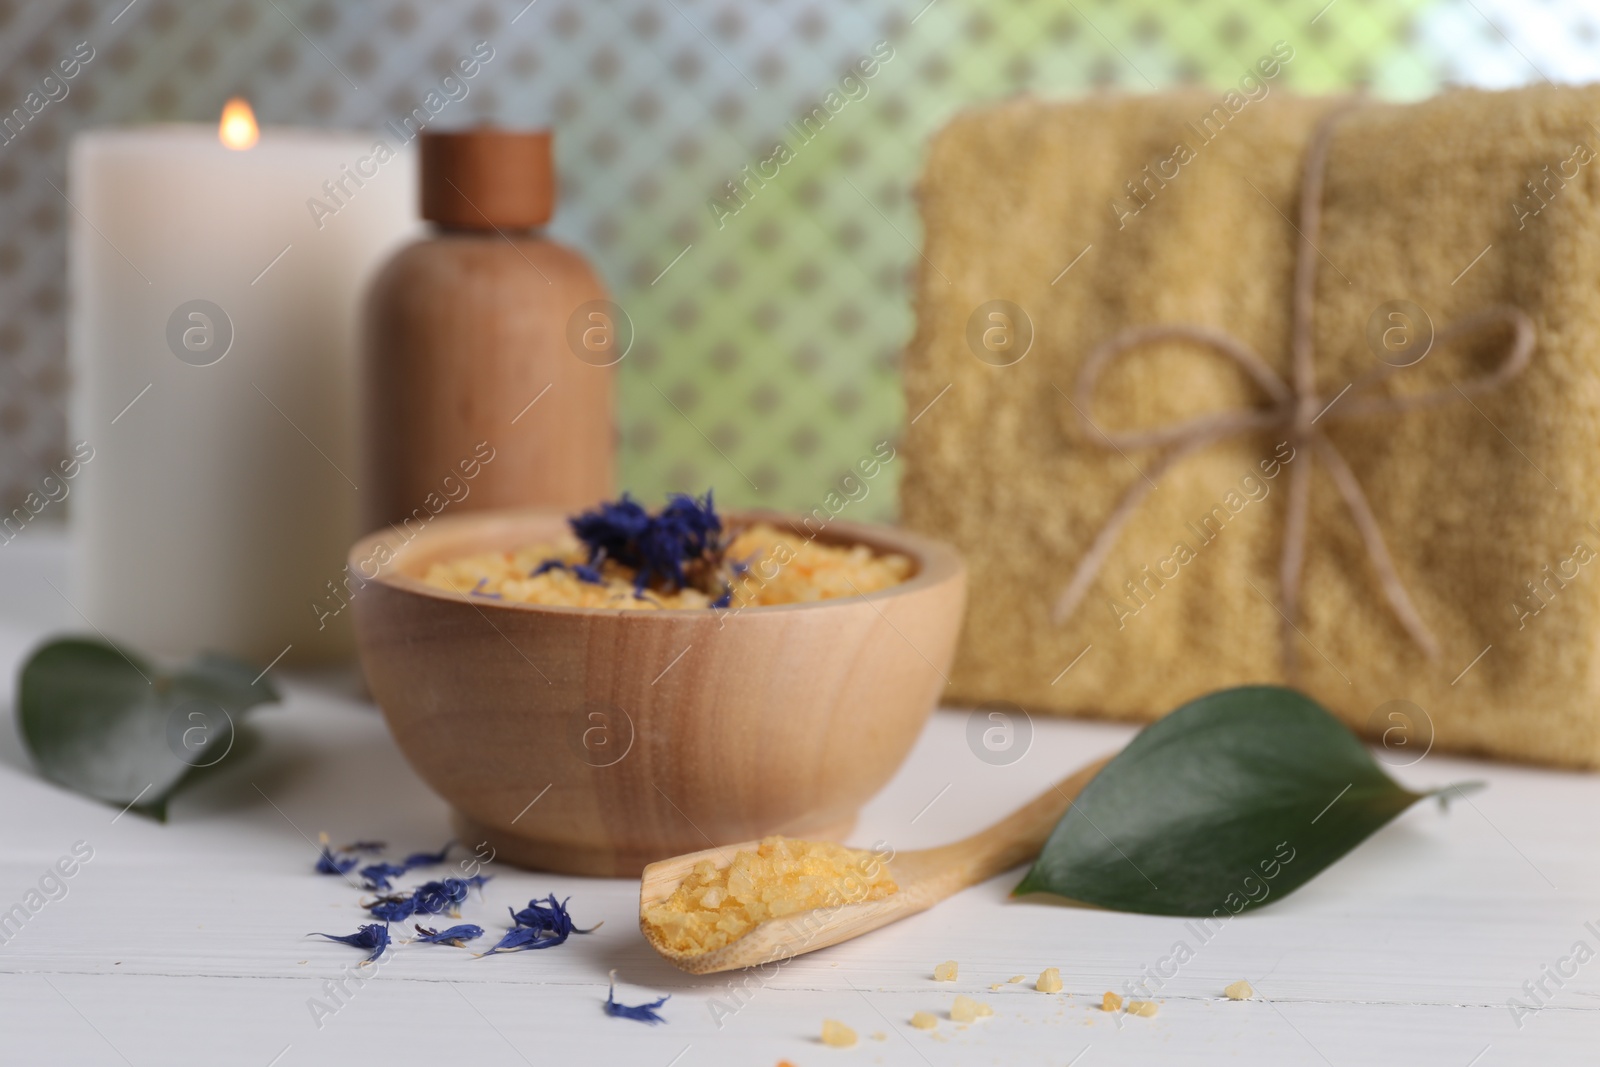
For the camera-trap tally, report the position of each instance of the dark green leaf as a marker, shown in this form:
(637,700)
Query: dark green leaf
(1232,800)
(119,728)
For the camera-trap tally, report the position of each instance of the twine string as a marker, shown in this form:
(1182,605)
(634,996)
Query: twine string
(1294,408)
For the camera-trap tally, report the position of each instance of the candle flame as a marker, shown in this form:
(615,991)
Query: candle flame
(238,128)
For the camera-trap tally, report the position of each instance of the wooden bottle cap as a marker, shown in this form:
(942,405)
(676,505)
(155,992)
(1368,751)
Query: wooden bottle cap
(487,178)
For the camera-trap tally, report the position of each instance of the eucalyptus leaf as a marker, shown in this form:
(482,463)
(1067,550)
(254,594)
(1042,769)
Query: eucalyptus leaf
(1234,799)
(116,727)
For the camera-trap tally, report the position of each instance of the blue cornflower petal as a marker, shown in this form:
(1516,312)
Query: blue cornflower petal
(378,875)
(547,565)
(657,547)
(586,573)
(523,937)
(330,863)
(549,915)
(456,935)
(371,936)
(477,590)
(432,898)
(725,599)
(645,1013)
(429,898)
(518,937)
(393,909)
(612,529)
(428,859)
(542,924)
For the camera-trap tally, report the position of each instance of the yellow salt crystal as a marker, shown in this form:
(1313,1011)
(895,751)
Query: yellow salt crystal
(1239,990)
(1110,1002)
(781,876)
(836,1034)
(965,1009)
(945,972)
(802,570)
(1049,980)
(879,1035)
(1147,1008)
(924,1020)
(1014,979)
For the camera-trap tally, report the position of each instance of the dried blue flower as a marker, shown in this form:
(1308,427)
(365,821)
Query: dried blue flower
(330,863)
(434,897)
(685,532)
(477,590)
(725,599)
(428,859)
(378,875)
(393,909)
(456,935)
(523,937)
(645,1013)
(612,530)
(429,898)
(542,924)
(550,916)
(371,936)
(547,565)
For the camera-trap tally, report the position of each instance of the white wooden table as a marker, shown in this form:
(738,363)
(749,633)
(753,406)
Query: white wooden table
(184,943)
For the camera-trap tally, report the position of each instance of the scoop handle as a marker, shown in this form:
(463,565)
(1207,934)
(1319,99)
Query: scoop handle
(1013,840)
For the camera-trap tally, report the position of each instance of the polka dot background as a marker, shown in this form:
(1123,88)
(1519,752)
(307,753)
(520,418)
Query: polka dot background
(770,314)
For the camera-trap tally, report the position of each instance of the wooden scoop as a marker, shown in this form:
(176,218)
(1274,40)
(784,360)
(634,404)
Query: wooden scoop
(925,877)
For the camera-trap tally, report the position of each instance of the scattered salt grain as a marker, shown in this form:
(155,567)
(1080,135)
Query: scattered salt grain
(1049,980)
(1239,990)
(1014,979)
(966,1010)
(1147,1008)
(836,1034)
(924,1020)
(1110,1002)
(945,972)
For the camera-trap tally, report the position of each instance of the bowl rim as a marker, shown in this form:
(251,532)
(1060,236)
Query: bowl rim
(938,562)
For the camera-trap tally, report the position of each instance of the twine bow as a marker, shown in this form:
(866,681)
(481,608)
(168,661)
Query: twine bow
(1296,409)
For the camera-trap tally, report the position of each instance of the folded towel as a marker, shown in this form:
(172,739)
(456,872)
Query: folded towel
(1091,217)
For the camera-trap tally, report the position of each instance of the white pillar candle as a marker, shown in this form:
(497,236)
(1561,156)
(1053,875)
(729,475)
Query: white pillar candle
(216,296)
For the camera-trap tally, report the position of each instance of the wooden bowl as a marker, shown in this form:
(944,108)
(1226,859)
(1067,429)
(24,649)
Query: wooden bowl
(595,741)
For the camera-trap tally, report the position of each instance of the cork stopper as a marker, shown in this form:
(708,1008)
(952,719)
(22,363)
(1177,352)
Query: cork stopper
(487,178)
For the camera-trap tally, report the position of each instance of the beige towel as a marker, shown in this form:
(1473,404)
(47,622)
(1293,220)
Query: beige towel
(1490,507)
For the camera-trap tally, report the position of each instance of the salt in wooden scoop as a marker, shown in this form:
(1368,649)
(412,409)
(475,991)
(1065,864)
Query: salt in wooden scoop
(925,877)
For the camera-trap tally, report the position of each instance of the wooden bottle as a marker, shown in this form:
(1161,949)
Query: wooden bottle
(488,349)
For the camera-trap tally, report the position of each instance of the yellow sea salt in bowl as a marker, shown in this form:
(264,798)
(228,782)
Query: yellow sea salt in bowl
(647,732)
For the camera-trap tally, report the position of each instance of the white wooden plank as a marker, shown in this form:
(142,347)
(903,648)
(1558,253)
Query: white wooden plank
(100,1019)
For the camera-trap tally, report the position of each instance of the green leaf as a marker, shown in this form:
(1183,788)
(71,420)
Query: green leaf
(1231,801)
(118,728)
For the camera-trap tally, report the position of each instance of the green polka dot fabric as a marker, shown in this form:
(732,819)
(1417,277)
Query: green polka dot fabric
(741,173)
